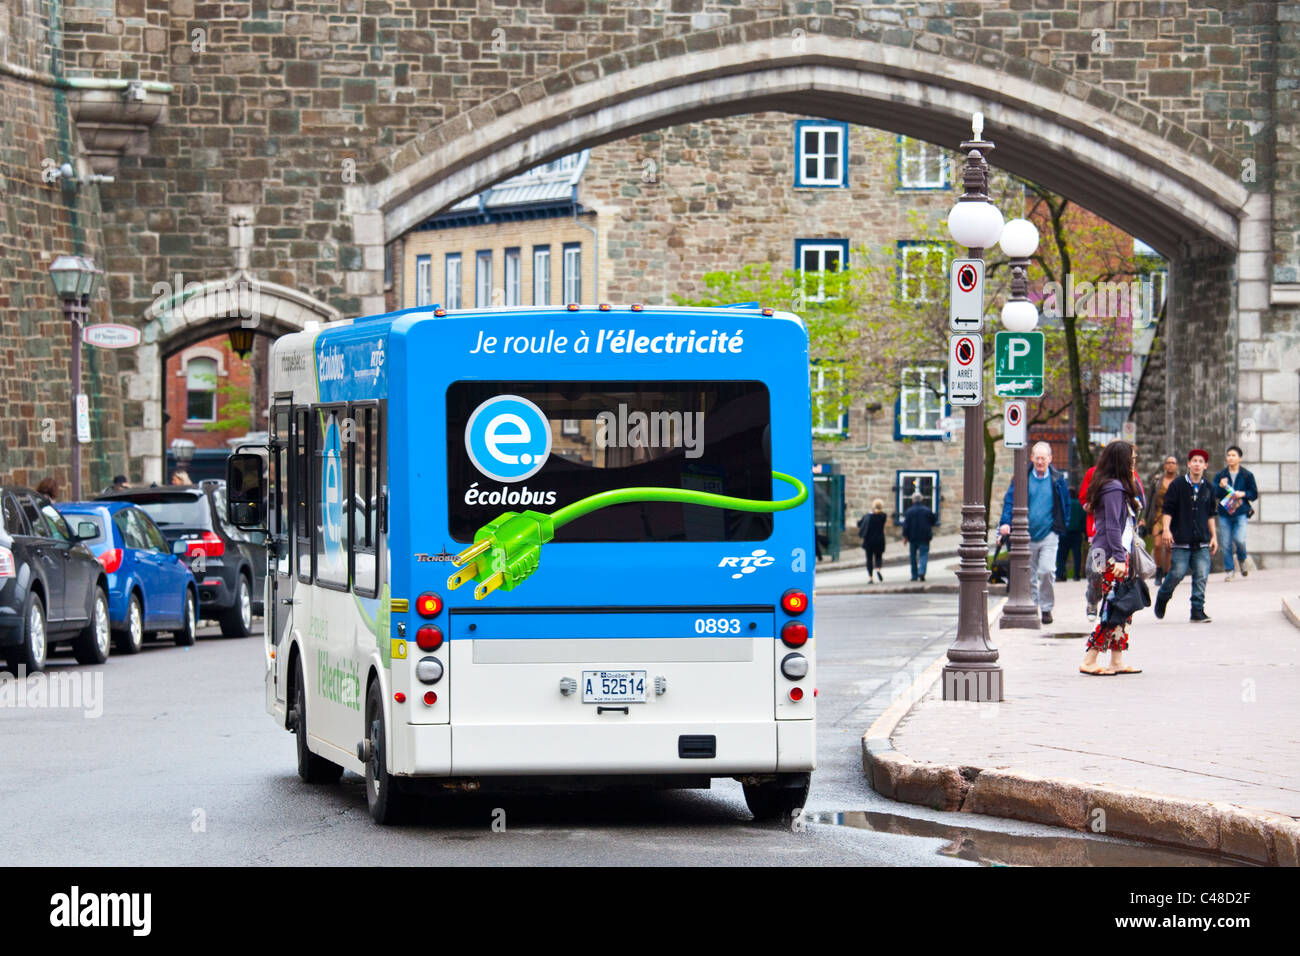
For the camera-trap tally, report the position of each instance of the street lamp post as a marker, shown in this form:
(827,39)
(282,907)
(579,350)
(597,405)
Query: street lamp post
(972,672)
(1019,241)
(74,279)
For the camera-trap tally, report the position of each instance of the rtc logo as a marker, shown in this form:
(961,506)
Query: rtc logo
(508,438)
(748,564)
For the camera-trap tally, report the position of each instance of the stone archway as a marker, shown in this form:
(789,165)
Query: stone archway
(195,313)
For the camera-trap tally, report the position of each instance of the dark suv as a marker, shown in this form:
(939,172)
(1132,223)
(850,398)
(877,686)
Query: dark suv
(229,564)
(52,589)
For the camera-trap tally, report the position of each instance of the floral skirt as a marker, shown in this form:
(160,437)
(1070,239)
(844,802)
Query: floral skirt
(1105,636)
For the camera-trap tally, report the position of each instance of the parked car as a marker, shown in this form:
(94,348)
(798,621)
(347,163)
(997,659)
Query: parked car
(52,590)
(229,564)
(150,589)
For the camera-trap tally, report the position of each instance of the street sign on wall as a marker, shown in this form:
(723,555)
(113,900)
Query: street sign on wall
(1018,364)
(966,295)
(83,419)
(111,335)
(965,369)
(1013,424)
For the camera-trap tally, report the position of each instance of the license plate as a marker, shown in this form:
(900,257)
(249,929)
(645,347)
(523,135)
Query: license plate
(613,687)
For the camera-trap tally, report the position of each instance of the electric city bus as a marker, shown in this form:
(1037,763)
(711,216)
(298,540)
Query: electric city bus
(536,547)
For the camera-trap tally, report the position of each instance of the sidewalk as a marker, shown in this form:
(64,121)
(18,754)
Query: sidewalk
(1202,750)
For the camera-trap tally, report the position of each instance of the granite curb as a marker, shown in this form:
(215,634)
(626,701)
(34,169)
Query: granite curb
(1246,834)
(1291,609)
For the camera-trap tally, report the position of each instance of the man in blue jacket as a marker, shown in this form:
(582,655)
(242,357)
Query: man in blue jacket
(1049,508)
(918,529)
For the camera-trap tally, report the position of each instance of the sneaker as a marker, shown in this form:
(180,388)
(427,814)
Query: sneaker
(1199,617)
(1232,574)
(1161,601)
(923,577)
(880,577)
(1247,566)
(1092,612)
(1047,617)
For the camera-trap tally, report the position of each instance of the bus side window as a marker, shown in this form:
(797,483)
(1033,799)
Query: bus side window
(364,502)
(301,502)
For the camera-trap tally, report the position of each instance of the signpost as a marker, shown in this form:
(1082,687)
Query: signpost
(111,335)
(1018,364)
(966,295)
(1013,424)
(965,369)
(83,418)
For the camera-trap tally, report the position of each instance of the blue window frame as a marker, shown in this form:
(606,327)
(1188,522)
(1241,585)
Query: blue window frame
(817,256)
(922,166)
(821,149)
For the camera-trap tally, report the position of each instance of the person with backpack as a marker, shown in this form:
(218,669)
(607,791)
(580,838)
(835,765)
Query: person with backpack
(871,527)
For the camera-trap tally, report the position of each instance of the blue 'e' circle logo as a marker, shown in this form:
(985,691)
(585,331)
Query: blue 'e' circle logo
(508,438)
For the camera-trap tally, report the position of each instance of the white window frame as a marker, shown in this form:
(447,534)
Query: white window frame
(921,165)
(820,154)
(573,273)
(216,379)
(1115,389)
(823,424)
(903,497)
(455,282)
(424,280)
(934,281)
(513,269)
(483,279)
(541,275)
(804,246)
(920,393)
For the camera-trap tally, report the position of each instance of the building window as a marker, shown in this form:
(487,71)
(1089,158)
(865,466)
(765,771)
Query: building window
(483,279)
(201,390)
(452,299)
(818,256)
(821,153)
(541,275)
(829,412)
(512,277)
(423,280)
(922,271)
(908,483)
(573,273)
(922,401)
(1154,285)
(921,165)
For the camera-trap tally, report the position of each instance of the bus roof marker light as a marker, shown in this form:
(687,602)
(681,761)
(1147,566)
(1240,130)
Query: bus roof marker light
(572,307)
(637,306)
(769,311)
(604,307)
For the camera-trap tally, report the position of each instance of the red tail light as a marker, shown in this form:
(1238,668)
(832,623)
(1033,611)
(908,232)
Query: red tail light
(794,634)
(208,544)
(796,693)
(794,601)
(111,559)
(429,637)
(7,569)
(428,604)
(430,698)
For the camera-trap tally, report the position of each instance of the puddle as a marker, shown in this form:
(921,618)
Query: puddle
(1007,849)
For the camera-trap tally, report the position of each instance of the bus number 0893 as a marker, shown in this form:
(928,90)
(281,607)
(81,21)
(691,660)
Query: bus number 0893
(717,625)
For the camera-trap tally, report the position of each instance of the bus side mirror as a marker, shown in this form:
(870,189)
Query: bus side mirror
(245,492)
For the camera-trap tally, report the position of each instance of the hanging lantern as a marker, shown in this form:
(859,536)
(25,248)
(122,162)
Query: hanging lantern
(241,341)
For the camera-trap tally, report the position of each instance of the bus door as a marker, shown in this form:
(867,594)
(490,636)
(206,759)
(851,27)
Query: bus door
(280,603)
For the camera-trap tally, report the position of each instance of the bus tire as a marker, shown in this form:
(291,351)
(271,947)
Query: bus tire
(387,804)
(238,621)
(312,768)
(780,799)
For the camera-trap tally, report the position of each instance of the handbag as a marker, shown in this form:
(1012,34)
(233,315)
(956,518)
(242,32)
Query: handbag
(1129,597)
(1141,559)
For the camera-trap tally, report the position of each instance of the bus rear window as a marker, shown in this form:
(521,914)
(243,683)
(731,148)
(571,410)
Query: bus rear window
(608,436)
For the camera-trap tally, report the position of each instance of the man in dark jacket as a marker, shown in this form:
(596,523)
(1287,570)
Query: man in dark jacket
(1049,510)
(1189,528)
(918,529)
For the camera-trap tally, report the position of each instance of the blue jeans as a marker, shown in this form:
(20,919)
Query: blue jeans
(920,551)
(1232,536)
(1198,556)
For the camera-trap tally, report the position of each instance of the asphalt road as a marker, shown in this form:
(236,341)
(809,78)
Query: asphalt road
(184,766)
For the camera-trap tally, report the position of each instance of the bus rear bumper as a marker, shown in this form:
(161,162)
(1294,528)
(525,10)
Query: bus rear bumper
(612,748)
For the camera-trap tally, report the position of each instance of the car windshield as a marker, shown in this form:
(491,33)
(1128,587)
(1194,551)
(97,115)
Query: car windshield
(175,511)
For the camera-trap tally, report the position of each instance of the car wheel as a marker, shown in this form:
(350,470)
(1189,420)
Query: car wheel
(238,621)
(35,647)
(387,803)
(92,644)
(780,799)
(311,767)
(189,629)
(130,640)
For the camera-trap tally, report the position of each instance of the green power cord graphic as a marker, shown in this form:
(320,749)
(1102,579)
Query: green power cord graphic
(506,551)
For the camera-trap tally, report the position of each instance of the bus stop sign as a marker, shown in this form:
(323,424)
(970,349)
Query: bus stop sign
(1018,364)
(1013,424)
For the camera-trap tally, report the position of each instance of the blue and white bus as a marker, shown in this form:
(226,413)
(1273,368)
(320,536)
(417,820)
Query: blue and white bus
(541,547)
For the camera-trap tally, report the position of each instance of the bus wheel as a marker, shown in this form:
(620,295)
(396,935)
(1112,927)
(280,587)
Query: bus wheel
(311,767)
(387,804)
(780,799)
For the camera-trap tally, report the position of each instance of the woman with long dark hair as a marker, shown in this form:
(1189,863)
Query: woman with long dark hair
(1114,501)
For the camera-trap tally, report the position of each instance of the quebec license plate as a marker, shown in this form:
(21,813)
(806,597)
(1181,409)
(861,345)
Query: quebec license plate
(613,687)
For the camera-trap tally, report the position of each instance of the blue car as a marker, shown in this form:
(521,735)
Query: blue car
(150,589)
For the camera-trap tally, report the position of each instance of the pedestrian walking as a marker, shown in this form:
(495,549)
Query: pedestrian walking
(872,529)
(1160,483)
(120,483)
(1049,509)
(1236,490)
(1071,542)
(49,488)
(918,529)
(1189,529)
(1114,503)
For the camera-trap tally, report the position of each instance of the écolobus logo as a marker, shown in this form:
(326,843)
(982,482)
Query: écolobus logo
(508,438)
